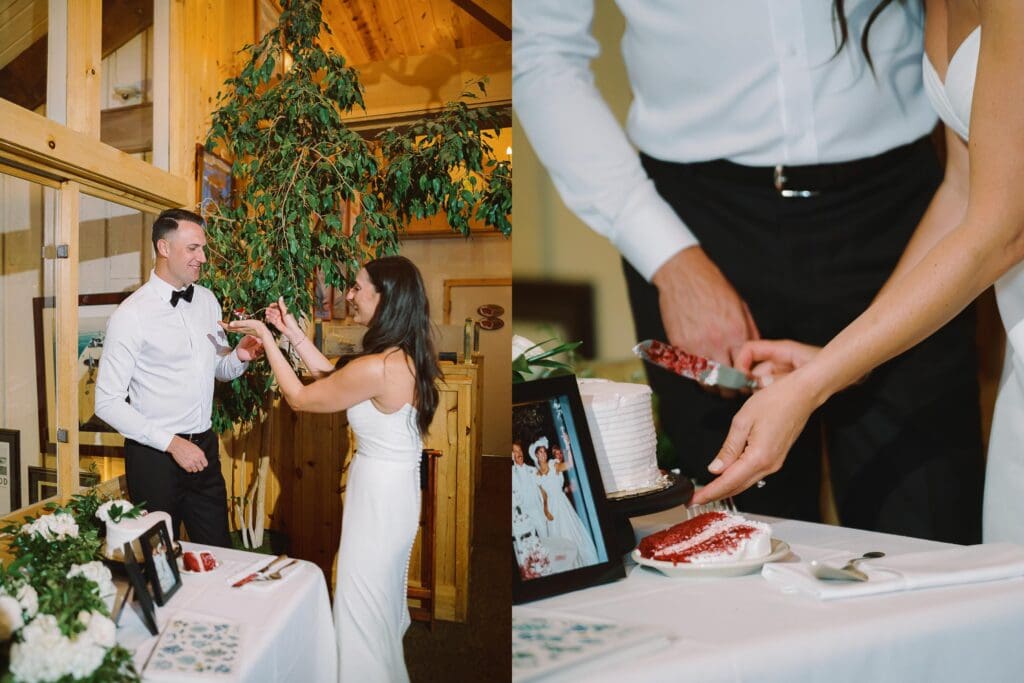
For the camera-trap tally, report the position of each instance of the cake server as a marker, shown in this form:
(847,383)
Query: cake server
(704,370)
(258,572)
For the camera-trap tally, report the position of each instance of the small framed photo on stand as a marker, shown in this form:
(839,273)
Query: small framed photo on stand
(562,527)
(137,587)
(161,566)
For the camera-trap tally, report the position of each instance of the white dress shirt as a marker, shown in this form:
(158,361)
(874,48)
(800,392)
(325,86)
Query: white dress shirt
(164,358)
(752,81)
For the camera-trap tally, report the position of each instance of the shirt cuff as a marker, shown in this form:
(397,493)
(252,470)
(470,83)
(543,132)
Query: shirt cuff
(161,437)
(648,232)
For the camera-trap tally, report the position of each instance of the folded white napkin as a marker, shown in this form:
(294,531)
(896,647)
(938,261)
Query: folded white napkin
(964,564)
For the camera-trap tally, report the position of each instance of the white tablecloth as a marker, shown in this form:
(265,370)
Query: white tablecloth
(745,629)
(287,629)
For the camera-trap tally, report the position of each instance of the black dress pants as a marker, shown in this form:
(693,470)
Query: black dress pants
(199,499)
(904,446)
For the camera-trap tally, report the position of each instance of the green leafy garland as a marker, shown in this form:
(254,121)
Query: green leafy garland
(42,564)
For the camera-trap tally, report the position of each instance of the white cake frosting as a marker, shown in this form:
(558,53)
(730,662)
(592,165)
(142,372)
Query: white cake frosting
(128,530)
(621,424)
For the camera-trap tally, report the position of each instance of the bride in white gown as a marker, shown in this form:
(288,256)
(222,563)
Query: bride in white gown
(562,520)
(390,396)
(971,237)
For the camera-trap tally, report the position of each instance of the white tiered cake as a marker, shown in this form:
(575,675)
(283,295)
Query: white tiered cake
(128,531)
(621,424)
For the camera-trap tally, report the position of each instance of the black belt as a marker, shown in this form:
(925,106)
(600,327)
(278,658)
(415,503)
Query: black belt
(810,180)
(197,437)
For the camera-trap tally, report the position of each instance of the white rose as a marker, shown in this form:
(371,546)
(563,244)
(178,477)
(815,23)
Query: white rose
(98,573)
(98,628)
(43,653)
(54,527)
(84,657)
(10,617)
(104,510)
(63,526)
(520,345)
(29,600)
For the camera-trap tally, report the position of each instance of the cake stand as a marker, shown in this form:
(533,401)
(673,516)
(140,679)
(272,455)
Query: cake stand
(677,493)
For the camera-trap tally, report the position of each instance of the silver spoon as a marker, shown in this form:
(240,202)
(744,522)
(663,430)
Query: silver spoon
(848,572)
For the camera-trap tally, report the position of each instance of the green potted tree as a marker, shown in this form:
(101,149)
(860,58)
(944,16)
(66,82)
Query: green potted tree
(298,169)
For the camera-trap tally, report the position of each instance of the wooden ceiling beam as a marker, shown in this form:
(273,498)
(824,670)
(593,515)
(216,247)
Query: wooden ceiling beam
(23,79)
(495,25)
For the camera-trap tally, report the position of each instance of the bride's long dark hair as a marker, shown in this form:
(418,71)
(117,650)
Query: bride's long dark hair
(839,14)
(402,320)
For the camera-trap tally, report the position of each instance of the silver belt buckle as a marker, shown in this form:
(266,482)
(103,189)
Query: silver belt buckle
(780,185)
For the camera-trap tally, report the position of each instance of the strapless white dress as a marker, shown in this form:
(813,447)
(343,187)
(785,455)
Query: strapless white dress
(1004,474)
(566,523)
(378,527)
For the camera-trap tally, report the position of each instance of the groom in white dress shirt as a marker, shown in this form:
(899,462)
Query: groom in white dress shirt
(162,351)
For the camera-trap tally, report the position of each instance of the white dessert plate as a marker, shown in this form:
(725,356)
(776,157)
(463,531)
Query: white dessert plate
(181,567)
(714,569)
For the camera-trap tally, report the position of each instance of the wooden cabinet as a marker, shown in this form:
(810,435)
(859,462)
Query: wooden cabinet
(309,460)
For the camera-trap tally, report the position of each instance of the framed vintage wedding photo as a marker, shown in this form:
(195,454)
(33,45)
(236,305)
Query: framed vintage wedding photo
(161,566)
(137,586)
(562,527)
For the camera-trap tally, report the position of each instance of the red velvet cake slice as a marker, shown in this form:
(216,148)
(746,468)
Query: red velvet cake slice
(199,562)
(710,538)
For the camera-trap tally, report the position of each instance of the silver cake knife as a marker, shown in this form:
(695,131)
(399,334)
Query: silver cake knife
(704,370)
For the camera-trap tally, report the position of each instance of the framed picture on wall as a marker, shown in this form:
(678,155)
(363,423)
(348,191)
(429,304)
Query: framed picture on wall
(95,437)
(42,482)
(562,528)
(213,180)
(10,470)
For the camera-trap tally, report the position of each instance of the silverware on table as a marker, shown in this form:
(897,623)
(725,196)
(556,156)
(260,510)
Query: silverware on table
(275,575)
(848,572)
(246,579)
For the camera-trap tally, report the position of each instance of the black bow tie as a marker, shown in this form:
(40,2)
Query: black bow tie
(185,294)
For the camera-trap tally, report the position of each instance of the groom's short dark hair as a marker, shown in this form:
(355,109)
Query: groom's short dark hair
(168,220)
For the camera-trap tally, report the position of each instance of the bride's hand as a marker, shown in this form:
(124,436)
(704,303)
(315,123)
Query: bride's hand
(279,317)
(759,439)
(251,326)
(771,360)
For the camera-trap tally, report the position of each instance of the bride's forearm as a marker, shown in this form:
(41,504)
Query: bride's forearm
(928,295)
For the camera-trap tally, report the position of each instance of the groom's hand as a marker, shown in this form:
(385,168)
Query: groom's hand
(189,456)
(701,311)
(249,349)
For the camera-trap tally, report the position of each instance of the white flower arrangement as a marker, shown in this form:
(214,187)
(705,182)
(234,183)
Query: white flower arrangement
(10,616)
(114,511)
(55,527)
(98,573)
(46,654)
(55,597)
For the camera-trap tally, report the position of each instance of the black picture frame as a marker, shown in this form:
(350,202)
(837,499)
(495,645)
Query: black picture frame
(42,482)
(137,581)
(552,408)
(161,567)
(10,470)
